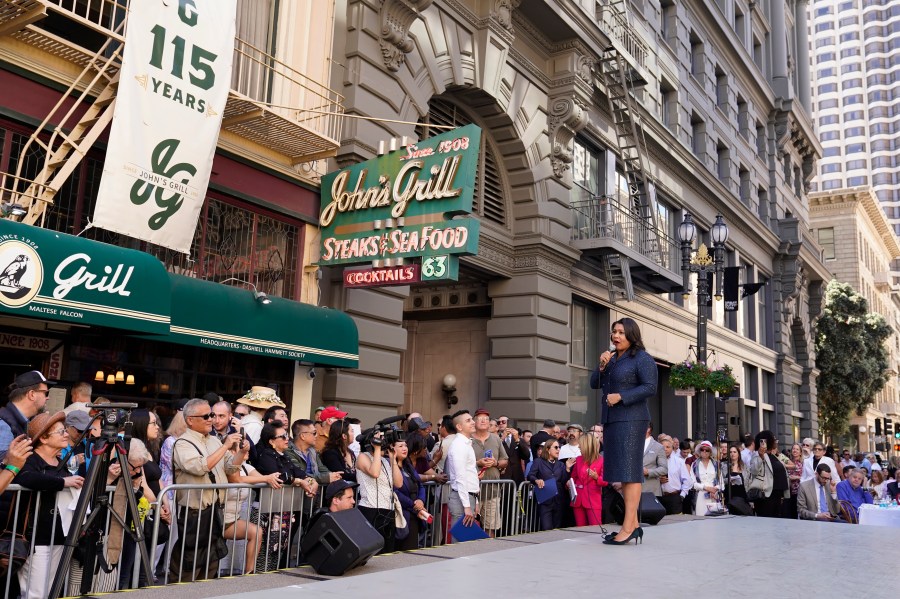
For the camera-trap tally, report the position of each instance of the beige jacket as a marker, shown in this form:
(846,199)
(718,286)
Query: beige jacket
(189,467)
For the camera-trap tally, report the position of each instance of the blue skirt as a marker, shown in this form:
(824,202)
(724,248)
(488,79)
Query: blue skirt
(623,451)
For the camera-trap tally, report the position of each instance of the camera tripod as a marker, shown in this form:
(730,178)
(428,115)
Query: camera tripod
(94,495)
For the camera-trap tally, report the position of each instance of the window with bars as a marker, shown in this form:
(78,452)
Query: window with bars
(230,240)
(489,201)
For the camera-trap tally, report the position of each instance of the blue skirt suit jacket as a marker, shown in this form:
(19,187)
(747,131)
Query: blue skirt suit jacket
(635,378)
(625,423)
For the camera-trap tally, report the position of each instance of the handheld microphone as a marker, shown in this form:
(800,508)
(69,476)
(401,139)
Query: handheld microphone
(612,347)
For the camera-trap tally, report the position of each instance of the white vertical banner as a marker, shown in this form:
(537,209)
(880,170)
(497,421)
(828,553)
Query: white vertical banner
(176,73)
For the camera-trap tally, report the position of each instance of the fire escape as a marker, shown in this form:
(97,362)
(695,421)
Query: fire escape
(619,231)
(270,105)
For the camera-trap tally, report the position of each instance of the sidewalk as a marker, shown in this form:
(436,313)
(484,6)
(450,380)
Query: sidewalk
(698,556)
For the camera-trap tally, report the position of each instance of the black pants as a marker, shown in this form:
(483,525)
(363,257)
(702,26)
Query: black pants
(551,512)
(768,507)
(383,522)
(672,503)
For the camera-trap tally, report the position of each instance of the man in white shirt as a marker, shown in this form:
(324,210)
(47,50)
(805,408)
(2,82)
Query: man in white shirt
(676,483)
(572,449)
(748,450)
(463,472)
(81,397)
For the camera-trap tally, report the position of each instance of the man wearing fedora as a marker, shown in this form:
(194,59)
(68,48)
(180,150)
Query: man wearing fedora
(258,399)
(27,397)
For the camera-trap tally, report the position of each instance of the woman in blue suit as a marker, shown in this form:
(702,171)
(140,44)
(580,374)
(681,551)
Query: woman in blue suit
(627,377)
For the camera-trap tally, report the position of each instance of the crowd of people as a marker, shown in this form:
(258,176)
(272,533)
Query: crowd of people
(383,471)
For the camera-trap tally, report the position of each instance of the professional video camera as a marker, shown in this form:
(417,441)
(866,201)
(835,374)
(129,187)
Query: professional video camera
(113,417)
(388,427)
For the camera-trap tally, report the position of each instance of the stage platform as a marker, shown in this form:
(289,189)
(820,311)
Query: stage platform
(682,557)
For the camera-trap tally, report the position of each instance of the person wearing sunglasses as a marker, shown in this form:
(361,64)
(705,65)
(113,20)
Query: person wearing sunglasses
(27,397)
(706,482)
(199,458)
(548,469)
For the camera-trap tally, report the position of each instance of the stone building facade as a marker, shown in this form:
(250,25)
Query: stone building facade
(725,131)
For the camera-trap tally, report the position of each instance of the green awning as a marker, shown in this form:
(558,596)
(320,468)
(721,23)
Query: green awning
(219,316)
(53,276)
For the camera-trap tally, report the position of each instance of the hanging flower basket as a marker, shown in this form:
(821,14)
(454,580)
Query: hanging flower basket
(721,381)
(688,374)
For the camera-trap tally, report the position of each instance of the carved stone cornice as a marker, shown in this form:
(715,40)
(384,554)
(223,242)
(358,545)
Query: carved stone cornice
(396,17)
(569,101)
(567,117)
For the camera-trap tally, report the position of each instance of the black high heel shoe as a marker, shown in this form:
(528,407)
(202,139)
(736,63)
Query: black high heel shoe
(637,534)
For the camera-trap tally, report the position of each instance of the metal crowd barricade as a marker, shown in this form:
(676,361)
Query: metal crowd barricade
(528,521)
(279,517)
(507,510)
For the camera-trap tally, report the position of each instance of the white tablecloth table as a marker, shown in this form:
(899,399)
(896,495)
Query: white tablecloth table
(873,515)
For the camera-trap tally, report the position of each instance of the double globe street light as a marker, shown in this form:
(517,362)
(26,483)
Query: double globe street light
(703,264)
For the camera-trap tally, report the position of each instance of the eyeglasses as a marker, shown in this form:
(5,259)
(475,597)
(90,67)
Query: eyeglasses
(307,432)
(554,447)
(44,391)
(706,450)
(807,445)
(59,431)
(818,449)
(206,416)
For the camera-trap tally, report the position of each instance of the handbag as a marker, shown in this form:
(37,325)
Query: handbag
(399,518)
(755,490)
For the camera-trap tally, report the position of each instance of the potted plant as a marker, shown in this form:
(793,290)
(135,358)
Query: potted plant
(688,375)
(720,381)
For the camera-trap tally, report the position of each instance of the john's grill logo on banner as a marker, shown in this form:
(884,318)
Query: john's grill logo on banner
(161,180)
(22,273)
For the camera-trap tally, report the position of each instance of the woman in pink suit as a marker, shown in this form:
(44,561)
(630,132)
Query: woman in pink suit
(588,477)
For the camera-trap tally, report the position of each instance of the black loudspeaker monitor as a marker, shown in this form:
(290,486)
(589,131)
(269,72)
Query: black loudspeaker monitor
(651,511)
(340,541)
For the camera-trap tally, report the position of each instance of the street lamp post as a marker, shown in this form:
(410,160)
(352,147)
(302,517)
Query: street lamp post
(702,263)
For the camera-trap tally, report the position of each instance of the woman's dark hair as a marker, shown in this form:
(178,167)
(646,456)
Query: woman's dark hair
(271,430)
(829,451)
(140,420)
(740,462)
(766,436)
(415,443)
(632,333)
(336,433)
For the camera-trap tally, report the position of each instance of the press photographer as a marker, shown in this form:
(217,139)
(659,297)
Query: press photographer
(378,473)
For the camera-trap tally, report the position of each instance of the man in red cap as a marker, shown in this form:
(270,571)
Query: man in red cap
(323,425)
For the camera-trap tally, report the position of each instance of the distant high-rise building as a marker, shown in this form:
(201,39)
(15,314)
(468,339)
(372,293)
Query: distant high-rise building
(855,45)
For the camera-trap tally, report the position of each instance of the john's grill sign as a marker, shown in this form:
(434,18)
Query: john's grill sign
(53,276)
(404,204)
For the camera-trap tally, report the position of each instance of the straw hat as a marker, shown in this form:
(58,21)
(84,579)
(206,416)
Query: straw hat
(40,425)
(261,398)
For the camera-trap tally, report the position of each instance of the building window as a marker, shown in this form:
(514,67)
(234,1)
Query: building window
(826,242)
(490,196)
(589,326)
(669,105)
(697,55)
(765,313)
(668,25)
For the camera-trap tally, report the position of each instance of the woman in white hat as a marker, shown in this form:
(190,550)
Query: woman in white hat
(258,399)
(705,474)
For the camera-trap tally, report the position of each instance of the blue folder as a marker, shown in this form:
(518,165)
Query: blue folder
(464,533)
(549,491)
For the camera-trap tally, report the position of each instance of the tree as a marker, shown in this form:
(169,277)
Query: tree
(850,355)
